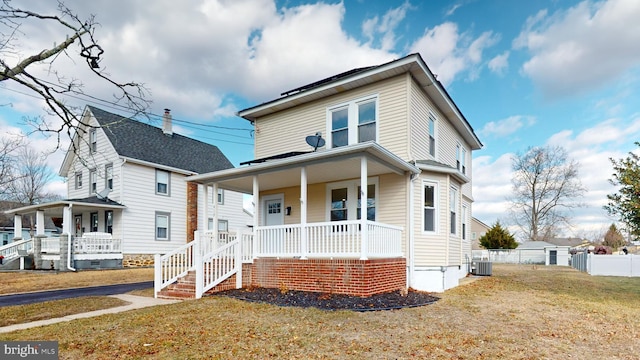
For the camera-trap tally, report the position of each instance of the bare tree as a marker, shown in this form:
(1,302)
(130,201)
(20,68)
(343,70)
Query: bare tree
(32,176)
(8,147)
(545,185)
(15,67)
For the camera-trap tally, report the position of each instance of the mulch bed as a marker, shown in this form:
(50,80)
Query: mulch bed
(386,301)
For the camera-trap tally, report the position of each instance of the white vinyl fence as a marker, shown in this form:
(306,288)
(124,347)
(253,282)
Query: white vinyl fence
(511,256)
(607,265)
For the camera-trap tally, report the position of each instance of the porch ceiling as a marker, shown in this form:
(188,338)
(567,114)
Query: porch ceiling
(326,166)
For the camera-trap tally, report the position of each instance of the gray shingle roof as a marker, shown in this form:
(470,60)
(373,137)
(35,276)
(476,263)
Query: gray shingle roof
(137,140)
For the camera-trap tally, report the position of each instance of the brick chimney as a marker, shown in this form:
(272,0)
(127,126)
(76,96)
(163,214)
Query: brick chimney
(166,123)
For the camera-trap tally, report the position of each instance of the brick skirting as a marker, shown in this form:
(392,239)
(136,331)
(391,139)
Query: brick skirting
(337,276)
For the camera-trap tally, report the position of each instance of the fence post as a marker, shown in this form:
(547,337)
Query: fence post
(157,274)
(197,259)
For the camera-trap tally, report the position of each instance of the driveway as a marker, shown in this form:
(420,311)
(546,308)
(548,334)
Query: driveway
(40,296)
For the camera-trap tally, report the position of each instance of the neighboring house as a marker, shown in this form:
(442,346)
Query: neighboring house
(7,231)
(128,179)
(390,134)
(543,252)
(478,229)
(570,242)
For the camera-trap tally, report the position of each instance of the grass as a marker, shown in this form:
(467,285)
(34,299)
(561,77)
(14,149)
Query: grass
(520,312)
(15,282)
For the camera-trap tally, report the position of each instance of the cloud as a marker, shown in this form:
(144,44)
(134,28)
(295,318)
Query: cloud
(581,48)
(450,53)
(499,63)
(385,26)
(506,127)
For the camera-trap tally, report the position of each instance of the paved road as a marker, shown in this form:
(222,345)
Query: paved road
(40,296)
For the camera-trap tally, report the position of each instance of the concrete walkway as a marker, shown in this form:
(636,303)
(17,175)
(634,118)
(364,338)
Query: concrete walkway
(136,302)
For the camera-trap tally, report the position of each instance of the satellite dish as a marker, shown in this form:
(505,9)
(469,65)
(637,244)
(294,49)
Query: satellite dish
(102,195)
(315,141)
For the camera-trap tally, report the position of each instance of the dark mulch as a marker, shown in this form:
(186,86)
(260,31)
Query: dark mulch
(325,301)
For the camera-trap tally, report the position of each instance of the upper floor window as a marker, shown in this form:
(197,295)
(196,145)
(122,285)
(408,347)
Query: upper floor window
(353,122)
(93,141)
(162,182)
(461,158)
(93,181)
(79,180)
(430,194)
(108,176)
(453,209)
(432,136)
(221,196)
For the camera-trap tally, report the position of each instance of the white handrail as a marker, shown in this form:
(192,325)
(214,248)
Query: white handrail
(10,250)
(219,265)
(173,265)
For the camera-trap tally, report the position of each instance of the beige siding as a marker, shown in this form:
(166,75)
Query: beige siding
(286,130)
(431,248)
(142,203)
(419,134)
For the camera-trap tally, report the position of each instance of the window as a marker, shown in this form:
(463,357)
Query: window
(453,209)
(93,141)
(108,176)
(163,221)
(94,222)
(108,221)
(93,179)
(162,182)
(354,122)
(371,202)
(461,159)
(78,180)
(464,222)
(345,200)
(432,136)
(223,225)
(430,195)
(221,196)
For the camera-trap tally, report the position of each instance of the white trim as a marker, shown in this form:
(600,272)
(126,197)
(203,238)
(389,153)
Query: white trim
(352,196)
(264,210)
(455,232)
(352,119)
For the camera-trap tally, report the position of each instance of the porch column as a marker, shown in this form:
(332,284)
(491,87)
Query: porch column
(364,231)
(17,227)
(215,210)
(303,212)
(67,220)
(40,222)
(256,215)
(205,214)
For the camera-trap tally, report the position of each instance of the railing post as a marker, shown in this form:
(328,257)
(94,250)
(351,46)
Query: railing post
(199,268)
(239,263)
(157,277)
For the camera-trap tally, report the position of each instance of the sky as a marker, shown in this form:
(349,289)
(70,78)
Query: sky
(524,73)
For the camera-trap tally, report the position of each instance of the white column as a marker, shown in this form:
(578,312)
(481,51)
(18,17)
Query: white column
(256,215)
(40,222)
(67,220)
(364,231)
(17,226)
(205,213)
(303,212)
(215,209)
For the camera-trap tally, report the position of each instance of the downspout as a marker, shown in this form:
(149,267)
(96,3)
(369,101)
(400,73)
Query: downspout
(411,232)
(69,267)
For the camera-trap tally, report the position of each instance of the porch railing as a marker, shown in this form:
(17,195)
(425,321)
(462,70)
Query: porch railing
(50,245)
(170,267)
(92,245)
(13,249)
(211,242)
(343,239)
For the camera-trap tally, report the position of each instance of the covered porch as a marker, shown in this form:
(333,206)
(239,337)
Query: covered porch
(87,240)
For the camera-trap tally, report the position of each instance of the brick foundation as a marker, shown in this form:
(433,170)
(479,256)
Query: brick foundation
(351,277)
(137,260)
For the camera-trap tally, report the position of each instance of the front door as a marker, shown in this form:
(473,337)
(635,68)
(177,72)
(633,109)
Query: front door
(273,211)
(553,257)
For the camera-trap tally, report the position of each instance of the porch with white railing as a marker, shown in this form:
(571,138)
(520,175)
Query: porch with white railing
(215,257)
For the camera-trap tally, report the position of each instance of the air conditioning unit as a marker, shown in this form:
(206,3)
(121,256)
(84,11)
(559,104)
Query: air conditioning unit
(481,268)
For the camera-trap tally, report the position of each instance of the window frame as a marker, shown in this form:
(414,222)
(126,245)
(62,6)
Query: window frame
(220,196)
(93,141)
(432,128)
(108,221)
(435,207)
(93,181)
(353,120)
(166,215)
(453,211)
(463,222)
(461,158)
(94,222)
(352,197)
(168,183)
(108,176)
(78,181)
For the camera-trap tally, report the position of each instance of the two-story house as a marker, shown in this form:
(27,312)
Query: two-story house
(128,178)
(390,134)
